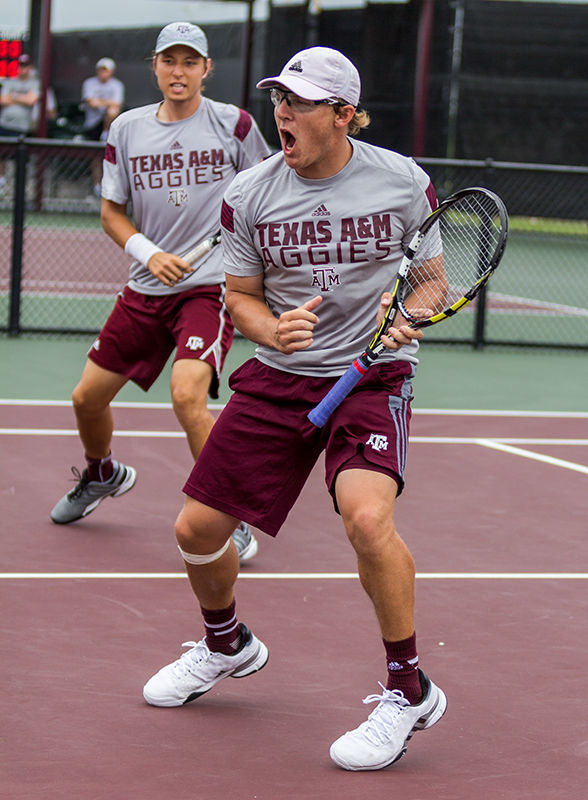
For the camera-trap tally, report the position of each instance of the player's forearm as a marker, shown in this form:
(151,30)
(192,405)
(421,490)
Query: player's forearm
(252,317)
(116,223)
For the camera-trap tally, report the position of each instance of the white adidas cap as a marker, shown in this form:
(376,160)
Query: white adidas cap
(318,73)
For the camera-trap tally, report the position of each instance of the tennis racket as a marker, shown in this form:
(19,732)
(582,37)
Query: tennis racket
(448,261)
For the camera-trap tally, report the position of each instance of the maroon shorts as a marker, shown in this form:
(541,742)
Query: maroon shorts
(143,330)
(262,447)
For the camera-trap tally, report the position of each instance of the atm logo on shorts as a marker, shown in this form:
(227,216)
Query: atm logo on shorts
(378,441)
(195,343)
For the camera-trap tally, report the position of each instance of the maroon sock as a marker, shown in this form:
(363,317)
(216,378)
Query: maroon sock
(223,634)
(402,662)
(100,469)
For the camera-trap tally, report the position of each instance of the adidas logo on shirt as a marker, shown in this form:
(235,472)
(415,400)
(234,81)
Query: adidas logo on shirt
(175,146)
(321,211)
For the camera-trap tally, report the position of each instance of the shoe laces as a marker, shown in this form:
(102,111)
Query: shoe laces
(189,661)
(385,717)
(82,482)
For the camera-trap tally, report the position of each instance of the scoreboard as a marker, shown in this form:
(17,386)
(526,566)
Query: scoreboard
(10,50)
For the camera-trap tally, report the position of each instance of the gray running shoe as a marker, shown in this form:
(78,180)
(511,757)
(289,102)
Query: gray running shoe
(197,670)
(245,542)
(87,494)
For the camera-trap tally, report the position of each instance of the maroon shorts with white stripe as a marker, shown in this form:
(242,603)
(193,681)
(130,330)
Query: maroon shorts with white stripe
(262,447)
(142,331)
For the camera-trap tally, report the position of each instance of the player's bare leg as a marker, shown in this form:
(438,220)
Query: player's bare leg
(91,402)
(190,381)
(410,701)
(103,477)
(229,648)
(386,568)
(202,530)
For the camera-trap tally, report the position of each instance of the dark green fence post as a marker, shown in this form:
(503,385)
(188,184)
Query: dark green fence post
(20,159)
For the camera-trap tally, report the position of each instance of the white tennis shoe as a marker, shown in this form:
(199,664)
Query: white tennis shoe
(382,739)
(245,542)
(197,670)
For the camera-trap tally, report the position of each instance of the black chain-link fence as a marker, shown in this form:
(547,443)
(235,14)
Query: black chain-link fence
(539,295)
(59,272)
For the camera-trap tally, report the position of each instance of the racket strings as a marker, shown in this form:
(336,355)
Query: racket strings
(456,252)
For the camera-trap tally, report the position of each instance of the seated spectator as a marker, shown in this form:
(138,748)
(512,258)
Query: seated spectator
(18,97)
(103,96)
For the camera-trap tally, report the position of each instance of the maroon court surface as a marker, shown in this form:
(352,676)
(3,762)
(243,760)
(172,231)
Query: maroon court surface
(495,515)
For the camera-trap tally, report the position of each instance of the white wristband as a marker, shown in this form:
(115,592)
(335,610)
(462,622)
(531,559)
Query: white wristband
(141,248)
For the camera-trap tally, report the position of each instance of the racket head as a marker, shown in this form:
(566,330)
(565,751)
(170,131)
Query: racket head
(452,256)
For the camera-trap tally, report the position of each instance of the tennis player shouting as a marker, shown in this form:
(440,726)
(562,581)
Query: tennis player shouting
(310,238)
(173,160)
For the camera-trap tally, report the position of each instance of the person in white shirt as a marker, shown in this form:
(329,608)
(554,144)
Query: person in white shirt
(173,161)
(311,237)
(18,98)
(103,97)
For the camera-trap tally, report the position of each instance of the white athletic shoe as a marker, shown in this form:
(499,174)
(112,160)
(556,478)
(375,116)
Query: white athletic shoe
(197,670)
(245,542)
(382,739)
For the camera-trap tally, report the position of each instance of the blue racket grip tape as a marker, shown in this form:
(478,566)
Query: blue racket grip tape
(321,413)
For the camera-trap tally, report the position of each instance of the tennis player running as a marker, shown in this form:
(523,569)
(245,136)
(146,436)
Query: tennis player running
(310,237)
(173,160)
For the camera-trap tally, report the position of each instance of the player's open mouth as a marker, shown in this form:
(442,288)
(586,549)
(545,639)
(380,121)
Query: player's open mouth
(288,141)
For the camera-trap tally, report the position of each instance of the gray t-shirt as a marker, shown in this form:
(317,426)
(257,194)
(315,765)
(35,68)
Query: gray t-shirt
(341,237)
(93,88)
(17,117)
(175,175)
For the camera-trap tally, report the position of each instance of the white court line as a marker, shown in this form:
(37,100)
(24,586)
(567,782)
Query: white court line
(440,412)
(517,451)
(486,442)
(72,432)
(115,404)
(542,576)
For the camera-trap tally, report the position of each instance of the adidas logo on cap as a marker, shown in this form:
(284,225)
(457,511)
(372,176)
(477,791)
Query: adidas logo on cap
(295,67)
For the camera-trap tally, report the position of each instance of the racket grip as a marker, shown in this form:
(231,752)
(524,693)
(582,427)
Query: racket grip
(198,252)
(338,392)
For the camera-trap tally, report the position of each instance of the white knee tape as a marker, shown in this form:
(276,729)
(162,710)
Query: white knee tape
(191,558)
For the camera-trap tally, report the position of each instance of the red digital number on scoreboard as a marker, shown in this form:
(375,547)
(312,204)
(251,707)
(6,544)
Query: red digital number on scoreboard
(10,50)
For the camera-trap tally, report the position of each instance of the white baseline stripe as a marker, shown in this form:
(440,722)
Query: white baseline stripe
(517,451)
(71,432)
(115,404)
(504,439)
(293,575)
(486,442)
(440,412)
